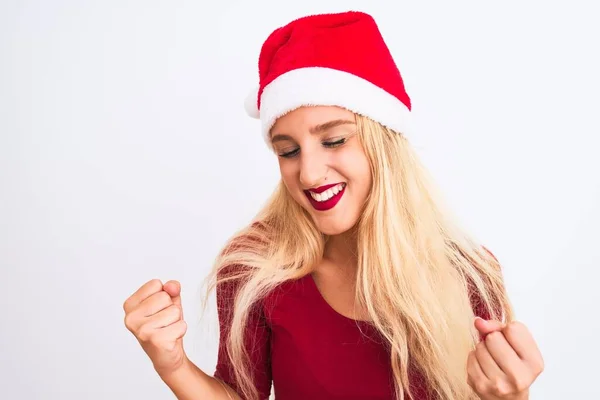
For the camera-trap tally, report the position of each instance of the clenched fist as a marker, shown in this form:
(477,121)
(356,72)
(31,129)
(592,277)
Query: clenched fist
(505,363)
(154,315)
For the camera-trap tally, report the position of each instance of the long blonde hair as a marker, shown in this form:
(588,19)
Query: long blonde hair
(417,269)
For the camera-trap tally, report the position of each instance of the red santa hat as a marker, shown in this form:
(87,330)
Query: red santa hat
(329,59)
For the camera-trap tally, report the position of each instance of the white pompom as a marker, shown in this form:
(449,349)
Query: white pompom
(250,104)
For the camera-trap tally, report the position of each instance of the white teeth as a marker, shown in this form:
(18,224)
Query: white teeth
(328,194)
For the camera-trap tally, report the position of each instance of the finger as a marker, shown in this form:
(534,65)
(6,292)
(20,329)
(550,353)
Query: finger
(520,339)
(145,291)
(155,303)
(503,354)
(173,288)
(487,362)
(487,326)
(174,331)
(475,375)
(165,317)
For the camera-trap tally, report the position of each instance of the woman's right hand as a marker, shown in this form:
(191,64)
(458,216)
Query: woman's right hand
(154,315)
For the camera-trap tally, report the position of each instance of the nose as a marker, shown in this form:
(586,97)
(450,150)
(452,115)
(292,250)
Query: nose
(313,169)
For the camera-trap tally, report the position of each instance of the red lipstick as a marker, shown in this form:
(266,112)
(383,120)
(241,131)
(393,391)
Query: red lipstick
(321,189)
(328,204)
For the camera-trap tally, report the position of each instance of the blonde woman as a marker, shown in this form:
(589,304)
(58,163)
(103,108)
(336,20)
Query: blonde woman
(353,282)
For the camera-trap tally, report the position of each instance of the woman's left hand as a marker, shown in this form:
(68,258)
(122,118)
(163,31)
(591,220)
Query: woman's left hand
(505,362)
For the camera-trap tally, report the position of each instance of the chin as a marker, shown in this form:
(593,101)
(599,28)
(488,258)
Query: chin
(333,228)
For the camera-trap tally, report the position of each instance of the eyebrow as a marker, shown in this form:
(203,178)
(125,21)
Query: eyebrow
(315,129)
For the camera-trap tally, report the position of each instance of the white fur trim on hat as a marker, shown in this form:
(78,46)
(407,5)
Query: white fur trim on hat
(330,87)
(250,104)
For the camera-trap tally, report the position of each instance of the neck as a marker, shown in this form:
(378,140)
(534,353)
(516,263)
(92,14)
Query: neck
(341,250)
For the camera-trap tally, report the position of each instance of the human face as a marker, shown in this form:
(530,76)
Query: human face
(323,165)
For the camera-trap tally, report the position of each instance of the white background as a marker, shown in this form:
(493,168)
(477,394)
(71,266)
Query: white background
(126,155)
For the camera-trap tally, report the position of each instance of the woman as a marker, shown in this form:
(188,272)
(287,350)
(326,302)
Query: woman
(353,282)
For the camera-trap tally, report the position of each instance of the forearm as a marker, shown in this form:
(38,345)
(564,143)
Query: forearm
(190,383)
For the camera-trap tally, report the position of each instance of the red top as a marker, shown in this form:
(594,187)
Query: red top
(307,350)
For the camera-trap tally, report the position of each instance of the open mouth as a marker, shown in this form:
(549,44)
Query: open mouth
(326,197)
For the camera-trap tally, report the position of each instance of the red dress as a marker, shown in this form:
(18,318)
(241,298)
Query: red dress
(308,351)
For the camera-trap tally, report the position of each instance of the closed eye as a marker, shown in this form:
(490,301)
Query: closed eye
(335,143)
(290,154)
(329,145)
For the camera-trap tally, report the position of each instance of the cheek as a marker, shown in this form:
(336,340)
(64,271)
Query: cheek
(366,174)
(357,170)
(289,175)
